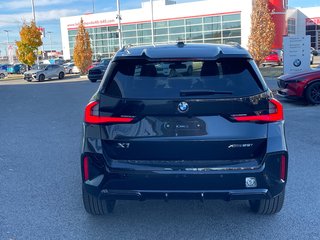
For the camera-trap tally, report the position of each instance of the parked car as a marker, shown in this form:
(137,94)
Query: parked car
(96,73)
(215,134)
(16,68)
(68,67)
(313,51)
(3,74)
(94,64)
(44,71)
(275,57)
(184,68)
(57,61)
(75,69)
(305,85)
(4,66)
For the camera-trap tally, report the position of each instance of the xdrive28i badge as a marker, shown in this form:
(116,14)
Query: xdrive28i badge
(183,107)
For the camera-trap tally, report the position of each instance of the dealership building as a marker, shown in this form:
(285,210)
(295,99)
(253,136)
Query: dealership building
(165,21)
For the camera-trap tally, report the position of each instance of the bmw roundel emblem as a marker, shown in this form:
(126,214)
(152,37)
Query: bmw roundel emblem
(297,63)
(183,107)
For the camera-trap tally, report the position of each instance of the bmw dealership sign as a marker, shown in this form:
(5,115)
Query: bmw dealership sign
(296,56)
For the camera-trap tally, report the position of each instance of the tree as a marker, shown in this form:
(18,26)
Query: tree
(30,40)
(82,53)
(262,31)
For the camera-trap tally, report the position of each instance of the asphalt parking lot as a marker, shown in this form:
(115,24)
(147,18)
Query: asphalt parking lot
(40,190)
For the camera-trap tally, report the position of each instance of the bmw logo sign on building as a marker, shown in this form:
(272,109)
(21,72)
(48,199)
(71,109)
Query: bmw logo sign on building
(297,63)
(183,107)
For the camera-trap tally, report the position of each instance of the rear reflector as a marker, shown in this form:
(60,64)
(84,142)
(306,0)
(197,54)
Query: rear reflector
(275,114)
(86,168)
(91,115)
(283,168)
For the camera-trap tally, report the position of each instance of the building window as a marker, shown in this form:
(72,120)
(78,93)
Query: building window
(161,31)
(161,24)
(161,39)
(214,19)
(291,26)
(175,23)
(313,30)
(129,27)
(175,30)
(193,21)
(144,26)
(231,17)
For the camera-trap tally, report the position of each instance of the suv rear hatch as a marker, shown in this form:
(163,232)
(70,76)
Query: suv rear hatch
(214,116)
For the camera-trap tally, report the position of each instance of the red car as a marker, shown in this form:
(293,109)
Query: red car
(274,58)
(301,85)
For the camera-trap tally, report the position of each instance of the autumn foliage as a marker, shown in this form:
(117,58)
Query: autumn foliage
(30,40)
(262,31)
(82,54)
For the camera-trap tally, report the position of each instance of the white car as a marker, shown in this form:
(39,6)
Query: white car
(3,74)
(44,71)
(68,67)
(75,69)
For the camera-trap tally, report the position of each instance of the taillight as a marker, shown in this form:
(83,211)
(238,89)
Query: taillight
(283,167)
(275,114)
(86,168)
(92,115)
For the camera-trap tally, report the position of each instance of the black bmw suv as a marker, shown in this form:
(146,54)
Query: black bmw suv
(153,132)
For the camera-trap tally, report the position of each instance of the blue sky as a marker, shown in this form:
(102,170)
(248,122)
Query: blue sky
(48,12)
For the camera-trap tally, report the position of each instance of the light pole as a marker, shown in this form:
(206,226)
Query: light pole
(33,11)
(7,33)
(152,27)
(34,20)
(92,6)
(119,24)
(50,43)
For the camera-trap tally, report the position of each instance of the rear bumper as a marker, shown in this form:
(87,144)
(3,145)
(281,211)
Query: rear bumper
(226,195)
(187,184)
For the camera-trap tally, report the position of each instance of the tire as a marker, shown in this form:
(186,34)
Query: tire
(96,206)
(312,93)
(92,80)
(70,71)
(268,206)
(28,80)
(2,75)
(41,78)
(61,75)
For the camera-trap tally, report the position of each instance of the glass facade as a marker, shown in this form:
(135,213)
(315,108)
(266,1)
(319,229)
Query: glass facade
(314,32)
(208,29)
(291,26)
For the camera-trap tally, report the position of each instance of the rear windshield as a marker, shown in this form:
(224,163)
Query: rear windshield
(168,79)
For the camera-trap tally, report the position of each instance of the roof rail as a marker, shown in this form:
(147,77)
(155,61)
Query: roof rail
(125,47)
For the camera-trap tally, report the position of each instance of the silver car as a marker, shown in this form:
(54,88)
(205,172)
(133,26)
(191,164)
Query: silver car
(68,67)
(3,73)
(44,71)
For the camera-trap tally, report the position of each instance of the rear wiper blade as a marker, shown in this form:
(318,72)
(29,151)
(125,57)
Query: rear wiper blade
(202,92)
